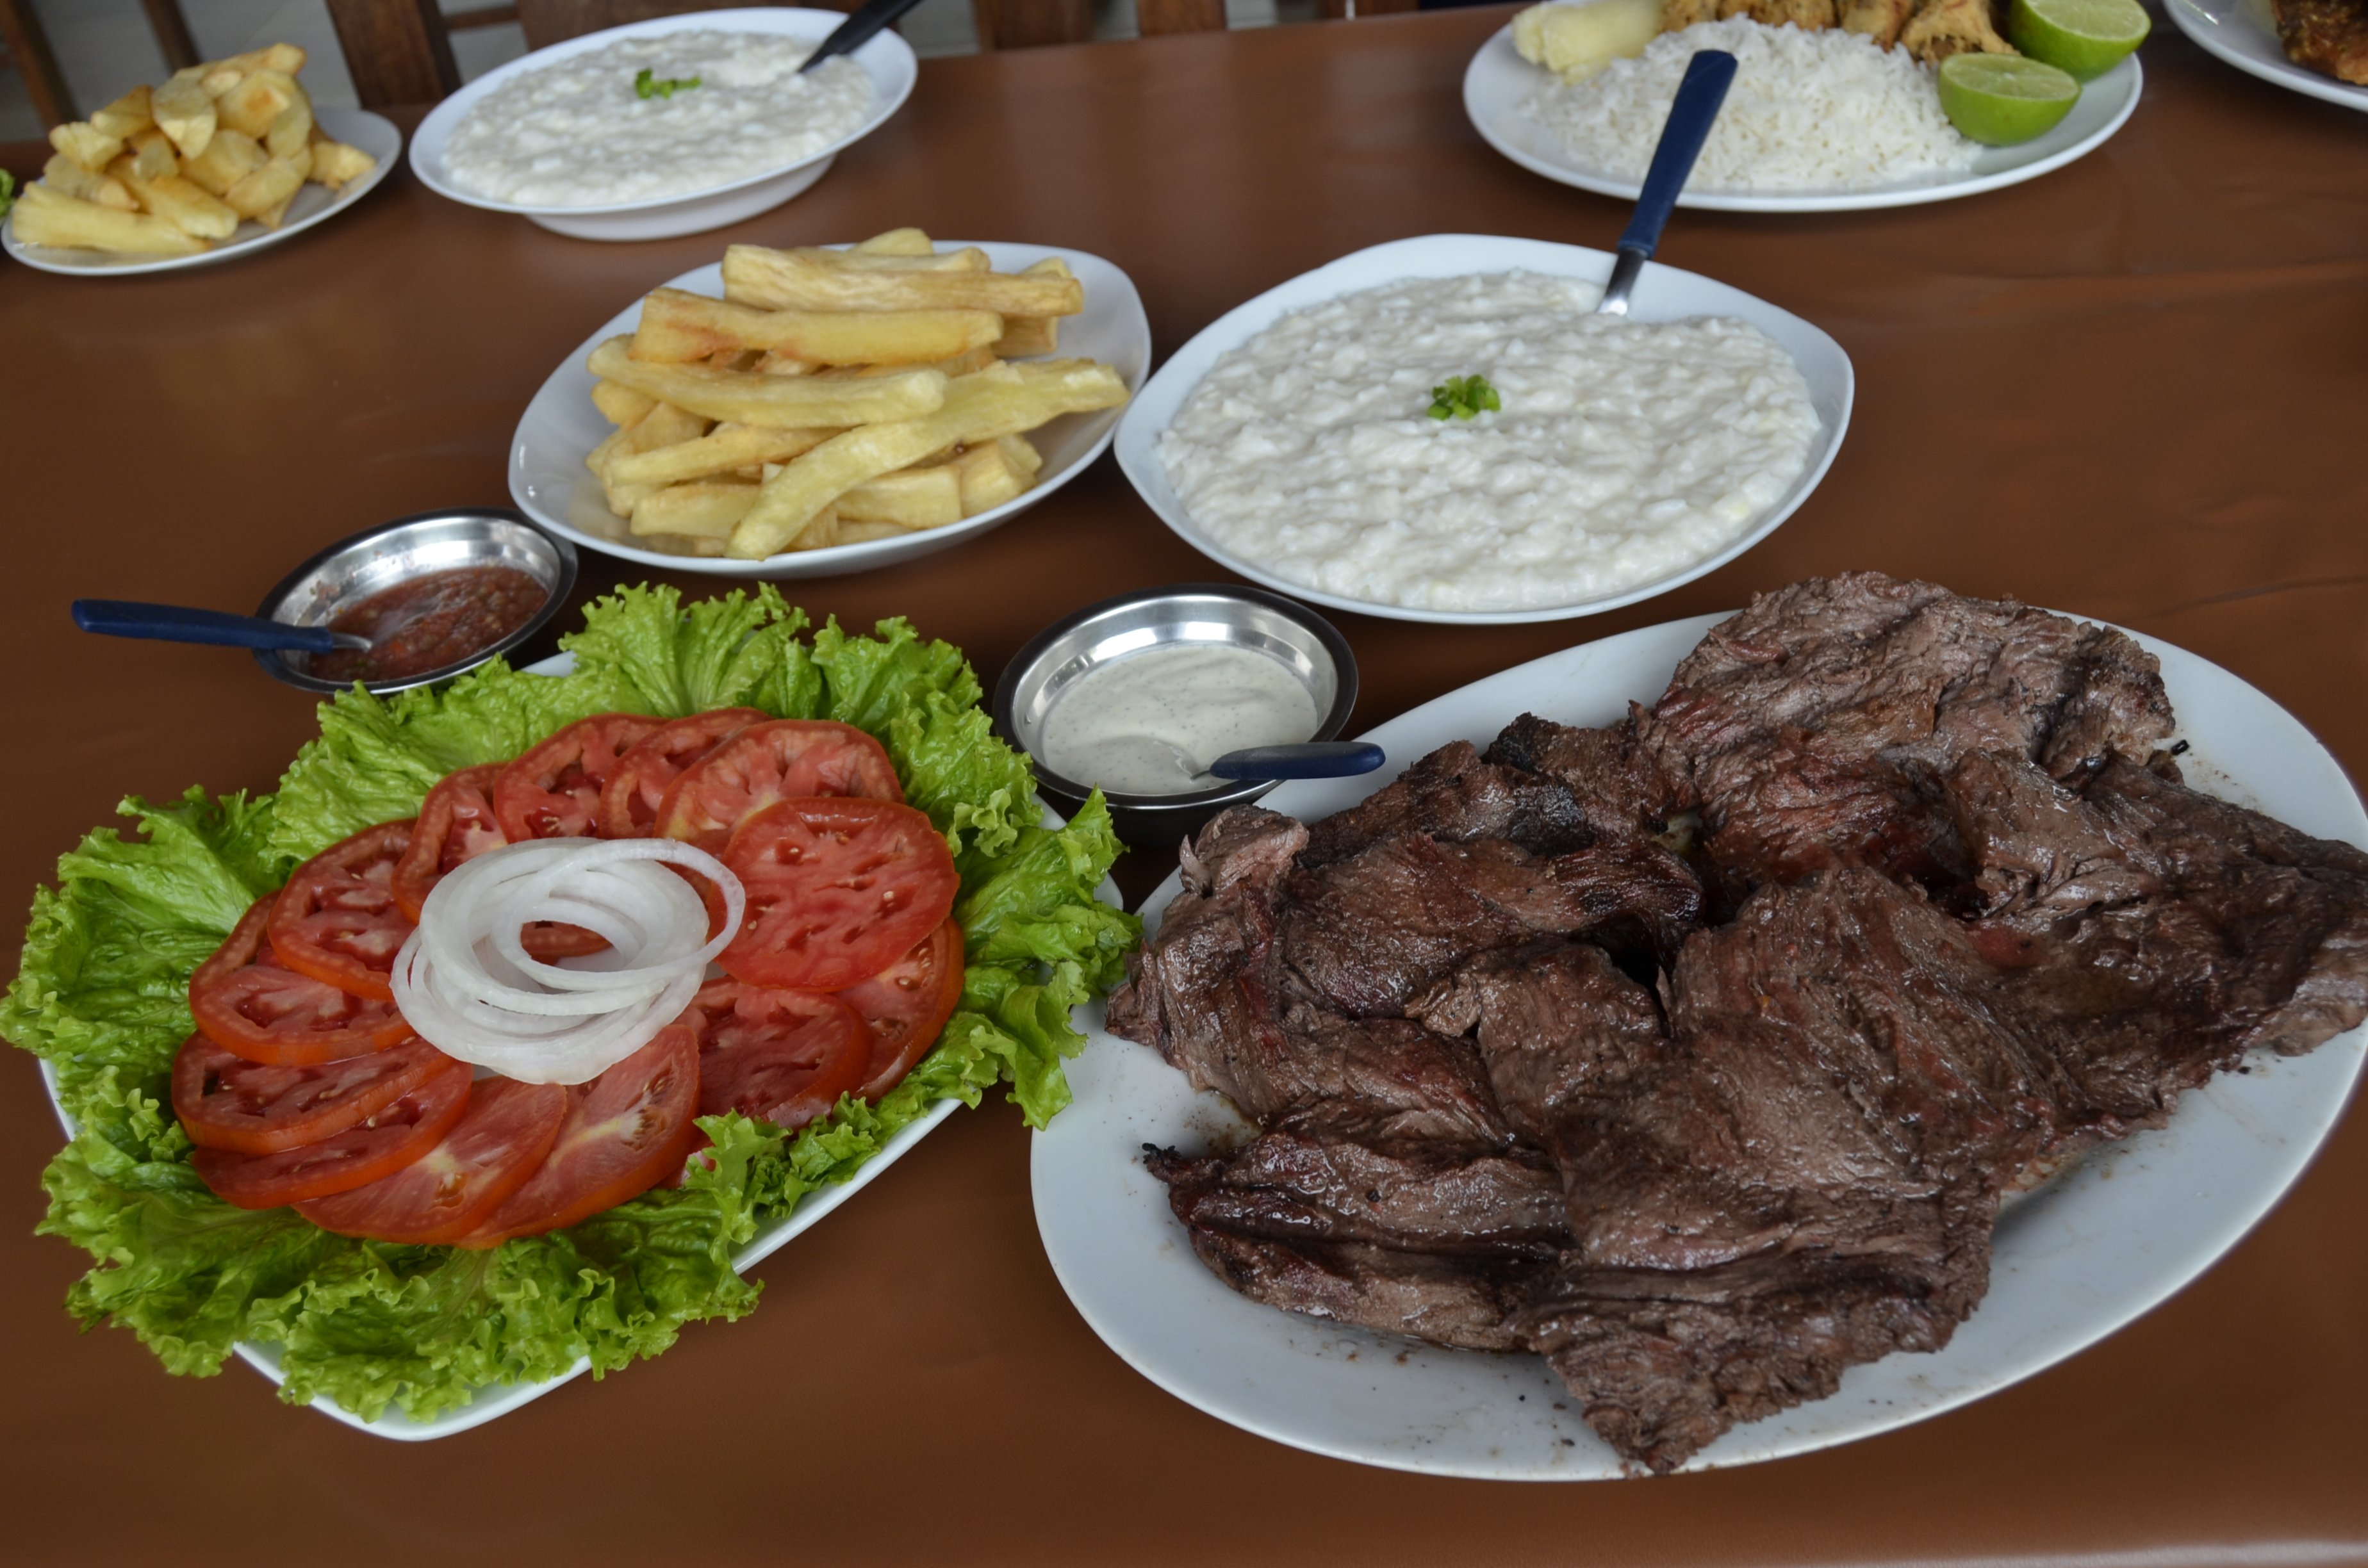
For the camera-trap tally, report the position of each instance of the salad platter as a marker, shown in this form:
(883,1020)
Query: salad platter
(415,1328)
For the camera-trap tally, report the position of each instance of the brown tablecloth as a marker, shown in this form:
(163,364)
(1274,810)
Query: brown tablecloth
(2133,389)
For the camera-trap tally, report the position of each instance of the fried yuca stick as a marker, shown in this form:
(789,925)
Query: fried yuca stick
(804,280)
(774,403)
(898,242)
(719,452)
(706,510)
(44,217)
(678,328)
(1003,400)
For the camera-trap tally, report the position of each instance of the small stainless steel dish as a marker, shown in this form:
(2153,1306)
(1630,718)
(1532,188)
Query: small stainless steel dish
(1287,631)
(353,569)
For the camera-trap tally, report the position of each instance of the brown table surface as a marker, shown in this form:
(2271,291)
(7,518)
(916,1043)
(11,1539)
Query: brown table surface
(2132,389)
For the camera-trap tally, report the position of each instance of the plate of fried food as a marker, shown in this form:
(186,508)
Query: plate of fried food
(804,412)
(2314,46)
(1909,1096)
(1837,110)
(224,158)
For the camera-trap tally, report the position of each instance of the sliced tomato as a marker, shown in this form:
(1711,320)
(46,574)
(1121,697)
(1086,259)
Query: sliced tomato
(786,759)
(381,1144)
(457,823)
(626,1131)
(553,791)
(224,1101)
(636,786)
(247,1001)
(780,1056)
(336,919)
(838,891)
(503,1137)
(906,1005)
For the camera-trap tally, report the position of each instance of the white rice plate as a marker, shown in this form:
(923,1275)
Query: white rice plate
(1822,110)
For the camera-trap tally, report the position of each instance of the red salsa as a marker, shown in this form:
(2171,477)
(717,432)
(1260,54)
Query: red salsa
(428,623)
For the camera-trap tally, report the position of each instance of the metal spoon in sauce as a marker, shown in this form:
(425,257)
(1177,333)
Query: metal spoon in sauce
(178,623)
(1308,759)
(1708,76)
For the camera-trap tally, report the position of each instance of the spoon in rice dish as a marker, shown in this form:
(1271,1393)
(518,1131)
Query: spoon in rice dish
(1708,76)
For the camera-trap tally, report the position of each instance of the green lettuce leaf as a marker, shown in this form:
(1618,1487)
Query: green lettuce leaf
(101,995)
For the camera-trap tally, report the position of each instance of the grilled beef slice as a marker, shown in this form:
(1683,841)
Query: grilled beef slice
(1453,796)
(1813,726)
(1371,932)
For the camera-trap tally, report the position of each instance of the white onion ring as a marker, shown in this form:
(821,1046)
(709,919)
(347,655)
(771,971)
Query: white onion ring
(466,982)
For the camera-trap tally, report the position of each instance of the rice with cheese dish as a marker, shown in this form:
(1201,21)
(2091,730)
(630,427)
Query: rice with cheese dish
(1624,451)
(579,132)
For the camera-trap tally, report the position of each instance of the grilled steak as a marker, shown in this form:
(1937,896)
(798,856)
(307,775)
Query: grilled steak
(1707,1125)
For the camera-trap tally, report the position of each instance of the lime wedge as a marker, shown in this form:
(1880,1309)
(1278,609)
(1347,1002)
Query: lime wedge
(2086,38)
(2003,98)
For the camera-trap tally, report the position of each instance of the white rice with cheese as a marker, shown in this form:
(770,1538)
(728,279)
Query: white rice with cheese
(650,117)
(1624,451)
(1825,110)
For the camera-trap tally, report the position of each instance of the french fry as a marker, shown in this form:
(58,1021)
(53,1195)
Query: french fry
(125,115)
(1024,335)
(229,158)
(47,216)
(678,328)
(666,425)
(86,144)
(910,497)
(775,403)
(722,450)
(898,242)
(186,114)
(989,478)
(960,365)
(286,57)
(67,177)
(187,206)
(1001,401)
(820,534)
(801,280)
(273,185)
(152,154)
(335,163)
(290,132)
(864,533)
(621,404)
(704,509)
(1022,454)
(258,100)
(785,364)
(272,217)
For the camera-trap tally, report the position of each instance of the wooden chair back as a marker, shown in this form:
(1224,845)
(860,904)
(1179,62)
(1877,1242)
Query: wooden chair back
(25,48)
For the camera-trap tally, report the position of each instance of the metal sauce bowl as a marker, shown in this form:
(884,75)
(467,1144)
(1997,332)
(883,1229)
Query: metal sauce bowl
(353,569)
(1295,636)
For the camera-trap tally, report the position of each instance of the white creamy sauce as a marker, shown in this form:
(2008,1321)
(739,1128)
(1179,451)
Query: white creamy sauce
(1624,450)
(1151,723)
(575,133)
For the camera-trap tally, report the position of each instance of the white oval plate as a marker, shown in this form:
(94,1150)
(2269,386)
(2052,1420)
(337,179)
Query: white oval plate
(887,58)
(1662,294)
(355,128)
(1498,82)
(2243,33)
(2106,1241)
(551,484)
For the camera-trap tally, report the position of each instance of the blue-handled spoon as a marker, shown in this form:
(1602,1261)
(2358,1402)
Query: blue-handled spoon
(1308,759)
(1708,76)
(178,623)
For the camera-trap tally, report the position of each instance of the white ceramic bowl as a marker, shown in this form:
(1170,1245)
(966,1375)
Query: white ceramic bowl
(551,484)
(887,58)
(1662,294)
